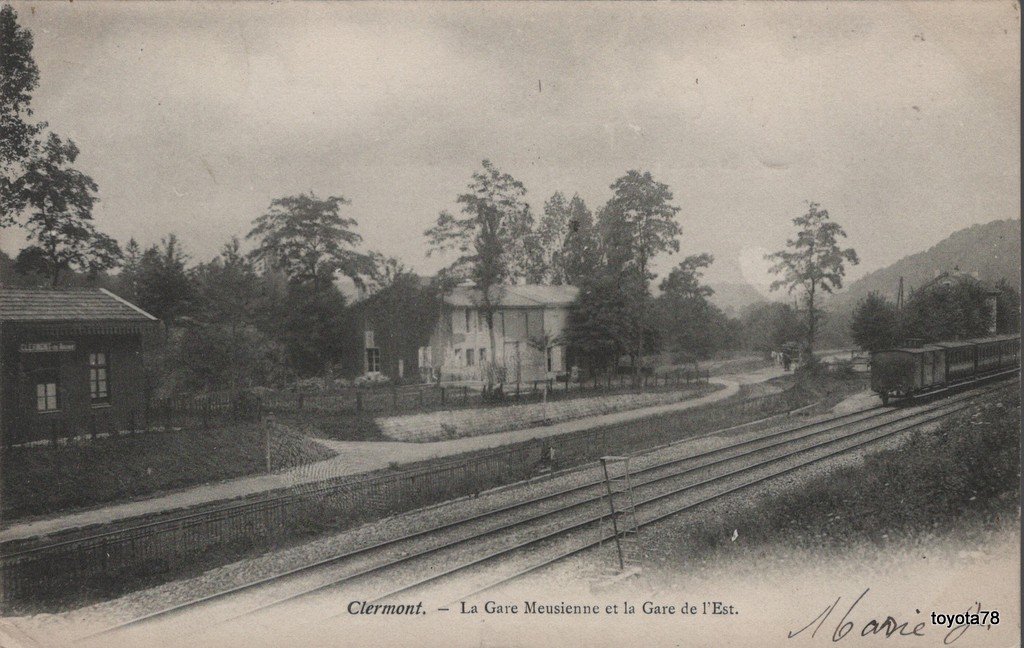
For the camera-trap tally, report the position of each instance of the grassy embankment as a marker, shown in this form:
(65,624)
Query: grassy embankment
(43,480)
(960,478)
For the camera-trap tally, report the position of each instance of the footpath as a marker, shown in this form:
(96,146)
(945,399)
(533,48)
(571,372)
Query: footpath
(358,457)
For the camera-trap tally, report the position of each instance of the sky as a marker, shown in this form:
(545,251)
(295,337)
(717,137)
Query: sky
(901,119)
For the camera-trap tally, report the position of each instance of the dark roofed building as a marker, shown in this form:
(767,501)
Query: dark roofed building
(70,363)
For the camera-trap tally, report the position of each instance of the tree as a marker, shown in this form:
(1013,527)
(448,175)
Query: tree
(814,262)
(767,327)
(954,309)
(581,246)
(492,238)
(227,288)
(688,323)
(602,323)
(876,324)
(19,76)
(164,288)
(310,241)
(636,224)
(128,278)
(1007,308)
(639,223)
(60,200)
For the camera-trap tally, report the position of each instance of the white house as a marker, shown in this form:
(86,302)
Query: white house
(528,324)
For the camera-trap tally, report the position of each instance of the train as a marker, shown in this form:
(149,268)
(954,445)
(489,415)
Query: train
(915,369)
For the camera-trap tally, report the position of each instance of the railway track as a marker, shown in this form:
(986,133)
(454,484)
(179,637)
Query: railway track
(538,526)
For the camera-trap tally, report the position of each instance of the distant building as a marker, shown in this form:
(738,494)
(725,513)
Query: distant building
(529,322)
(70,363)
(390,327)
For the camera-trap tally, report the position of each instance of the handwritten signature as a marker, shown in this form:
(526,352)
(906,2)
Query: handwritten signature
(887,627)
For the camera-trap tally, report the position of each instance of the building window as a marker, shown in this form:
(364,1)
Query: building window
(483,356)
(99,391)
(46,396)
(469,357)
(467,321)
(372,360)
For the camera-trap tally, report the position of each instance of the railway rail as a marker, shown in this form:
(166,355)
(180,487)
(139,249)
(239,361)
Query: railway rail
(537,521)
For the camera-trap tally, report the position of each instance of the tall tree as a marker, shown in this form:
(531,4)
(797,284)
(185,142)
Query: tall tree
(639,223)
(813,262)
(164,288)
(581,247)
(688,323)
(128,278)
(492,238)
(875,324)
(19,76)
(227,288)
(636,224)
(602,324)
(310,241)
(59,199)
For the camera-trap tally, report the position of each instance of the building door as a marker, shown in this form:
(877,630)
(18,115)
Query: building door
(513,362)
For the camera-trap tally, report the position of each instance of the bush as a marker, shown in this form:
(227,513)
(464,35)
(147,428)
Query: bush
(372,379)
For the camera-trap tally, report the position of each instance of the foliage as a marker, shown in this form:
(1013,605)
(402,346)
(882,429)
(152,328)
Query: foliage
(227,289)
(638,223)
(876,324)
(687,322)
(163,286)
(493,237)
(310,241)
(310,325)
(59,199)
(212,356)
(581,247)
(813,262)
(602,323)
(20,76)
(767,327)
(948,310)
(1007,308)
(565,243)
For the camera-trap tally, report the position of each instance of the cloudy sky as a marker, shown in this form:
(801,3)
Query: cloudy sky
(902,119)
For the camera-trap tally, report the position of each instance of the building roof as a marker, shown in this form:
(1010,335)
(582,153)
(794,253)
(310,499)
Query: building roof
(525,296)
(68,305)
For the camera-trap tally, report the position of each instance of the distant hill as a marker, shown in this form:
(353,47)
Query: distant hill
(732,297)
(990,252)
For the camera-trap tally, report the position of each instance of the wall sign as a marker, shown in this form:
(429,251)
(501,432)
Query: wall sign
(47,347)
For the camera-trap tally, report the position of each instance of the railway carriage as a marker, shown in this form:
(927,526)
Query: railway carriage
(910,370)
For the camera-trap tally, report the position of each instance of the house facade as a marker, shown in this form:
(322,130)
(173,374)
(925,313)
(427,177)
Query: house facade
(70,364)
(529,321)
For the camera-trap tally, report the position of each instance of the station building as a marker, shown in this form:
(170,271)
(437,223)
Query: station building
(70,364)
(529,323)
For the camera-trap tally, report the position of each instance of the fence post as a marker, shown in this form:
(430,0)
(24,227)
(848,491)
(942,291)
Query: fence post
(131,421)
(517,392)
(92,427)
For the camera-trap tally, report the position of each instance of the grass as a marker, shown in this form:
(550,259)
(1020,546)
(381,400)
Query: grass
(964,474)
(43,480)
